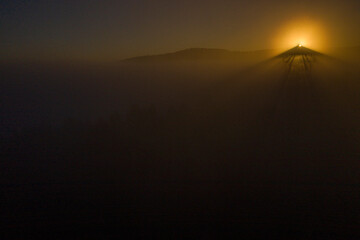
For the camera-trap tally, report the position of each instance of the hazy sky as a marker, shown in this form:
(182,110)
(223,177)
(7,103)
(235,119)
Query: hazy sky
(109,29)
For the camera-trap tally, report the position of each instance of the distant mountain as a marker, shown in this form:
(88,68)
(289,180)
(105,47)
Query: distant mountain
(299,50)
(202,55)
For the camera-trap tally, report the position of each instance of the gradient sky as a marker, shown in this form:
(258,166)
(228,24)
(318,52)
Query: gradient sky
(109,29)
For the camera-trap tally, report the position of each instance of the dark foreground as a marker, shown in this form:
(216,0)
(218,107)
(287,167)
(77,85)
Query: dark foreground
(270,152)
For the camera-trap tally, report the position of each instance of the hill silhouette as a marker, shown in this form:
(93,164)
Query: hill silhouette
(217,55)
(300,50)
(203,54)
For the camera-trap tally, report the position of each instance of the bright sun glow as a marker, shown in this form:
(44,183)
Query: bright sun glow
(301,32)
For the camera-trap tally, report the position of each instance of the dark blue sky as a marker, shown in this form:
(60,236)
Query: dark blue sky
(109,29)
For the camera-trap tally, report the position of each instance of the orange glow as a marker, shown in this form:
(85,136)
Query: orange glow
(301,32)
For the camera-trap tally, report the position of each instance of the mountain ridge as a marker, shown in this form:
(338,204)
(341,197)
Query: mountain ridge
(199,54)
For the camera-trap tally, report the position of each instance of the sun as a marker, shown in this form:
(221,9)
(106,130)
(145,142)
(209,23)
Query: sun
(301,43)
(300,32)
